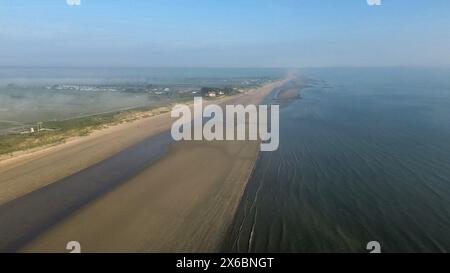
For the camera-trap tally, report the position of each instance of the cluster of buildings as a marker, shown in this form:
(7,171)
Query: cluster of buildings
(215,93)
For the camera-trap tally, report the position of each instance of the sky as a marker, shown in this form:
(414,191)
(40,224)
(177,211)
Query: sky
(224,33)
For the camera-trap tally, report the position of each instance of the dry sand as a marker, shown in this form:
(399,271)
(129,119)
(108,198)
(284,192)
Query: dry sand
(183,202)
(31,170)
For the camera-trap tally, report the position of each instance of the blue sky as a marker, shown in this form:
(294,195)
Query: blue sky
(225,33)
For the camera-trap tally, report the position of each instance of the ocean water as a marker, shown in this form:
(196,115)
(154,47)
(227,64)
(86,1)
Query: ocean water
(364,156)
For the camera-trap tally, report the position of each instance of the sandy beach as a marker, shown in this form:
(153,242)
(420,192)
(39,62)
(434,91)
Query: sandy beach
(31,170)
(183,202)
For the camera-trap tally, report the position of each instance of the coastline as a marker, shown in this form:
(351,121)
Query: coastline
(30,170)
(200,181)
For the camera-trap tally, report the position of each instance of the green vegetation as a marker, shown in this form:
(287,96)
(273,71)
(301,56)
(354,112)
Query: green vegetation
(60,130)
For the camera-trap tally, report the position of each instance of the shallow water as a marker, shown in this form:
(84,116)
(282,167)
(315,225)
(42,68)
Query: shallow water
(363,156)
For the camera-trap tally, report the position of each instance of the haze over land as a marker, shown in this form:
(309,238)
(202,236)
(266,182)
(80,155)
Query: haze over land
(32,94)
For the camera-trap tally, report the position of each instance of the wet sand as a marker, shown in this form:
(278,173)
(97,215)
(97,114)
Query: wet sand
(183,202)
(30,170)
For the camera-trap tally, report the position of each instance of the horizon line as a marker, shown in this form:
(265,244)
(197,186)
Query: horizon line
(225,67)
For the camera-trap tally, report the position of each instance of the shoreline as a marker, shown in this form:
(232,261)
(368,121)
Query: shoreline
(31,170)
(192,183)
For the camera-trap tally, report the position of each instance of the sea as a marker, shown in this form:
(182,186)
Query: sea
(364,156)
(364,153)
